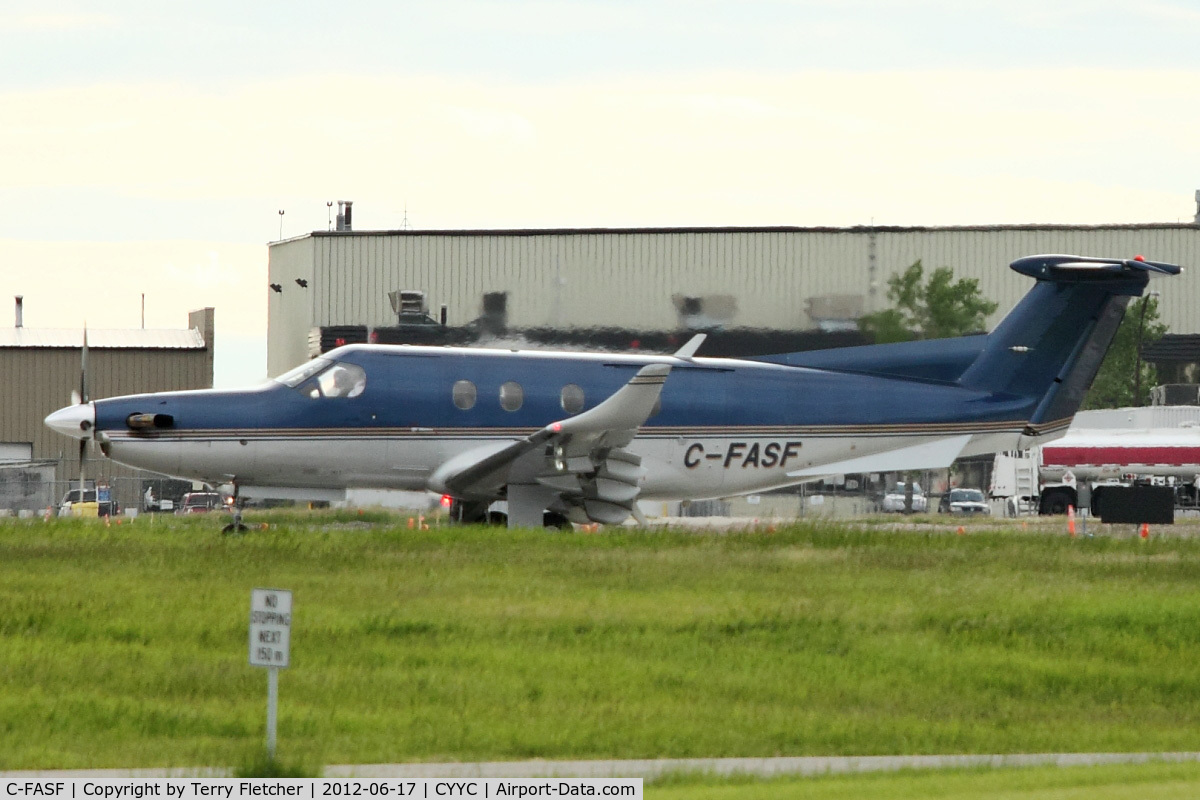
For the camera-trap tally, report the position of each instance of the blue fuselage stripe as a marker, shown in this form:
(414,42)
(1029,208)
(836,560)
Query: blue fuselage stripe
(410,394)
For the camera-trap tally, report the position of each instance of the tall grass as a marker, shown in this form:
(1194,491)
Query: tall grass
(126,646)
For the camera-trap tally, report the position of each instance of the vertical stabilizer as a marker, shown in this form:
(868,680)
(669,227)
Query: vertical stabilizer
(1051,345)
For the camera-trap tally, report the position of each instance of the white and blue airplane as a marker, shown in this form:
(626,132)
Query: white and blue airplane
(581,437)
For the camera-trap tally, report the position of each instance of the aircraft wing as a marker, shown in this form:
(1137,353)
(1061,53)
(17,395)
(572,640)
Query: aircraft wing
(580,461)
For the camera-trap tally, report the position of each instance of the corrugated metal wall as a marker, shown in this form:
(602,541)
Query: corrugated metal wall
(627,278)
(290,310)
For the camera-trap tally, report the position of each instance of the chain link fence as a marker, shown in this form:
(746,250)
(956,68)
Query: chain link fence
(31,487)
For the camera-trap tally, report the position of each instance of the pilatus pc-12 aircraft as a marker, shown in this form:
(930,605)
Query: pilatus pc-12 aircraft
(583,436)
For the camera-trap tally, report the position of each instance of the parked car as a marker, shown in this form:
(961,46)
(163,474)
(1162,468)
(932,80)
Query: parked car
(963,501)
(105,507)
(893,501)
(200,503)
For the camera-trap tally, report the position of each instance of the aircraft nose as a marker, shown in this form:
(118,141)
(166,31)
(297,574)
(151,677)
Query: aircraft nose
(76,421)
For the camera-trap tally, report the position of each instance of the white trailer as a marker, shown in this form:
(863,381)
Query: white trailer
(1158,445)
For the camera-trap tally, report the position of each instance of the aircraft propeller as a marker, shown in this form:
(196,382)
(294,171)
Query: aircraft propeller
(81,398)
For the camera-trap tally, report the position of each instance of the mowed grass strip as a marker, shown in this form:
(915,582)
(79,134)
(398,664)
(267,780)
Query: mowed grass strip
(1161,781)
(126,646)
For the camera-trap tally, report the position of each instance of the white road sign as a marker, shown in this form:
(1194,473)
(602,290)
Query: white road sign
(270,627)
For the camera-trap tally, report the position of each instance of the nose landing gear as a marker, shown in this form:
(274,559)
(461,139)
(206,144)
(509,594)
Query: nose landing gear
(236,527)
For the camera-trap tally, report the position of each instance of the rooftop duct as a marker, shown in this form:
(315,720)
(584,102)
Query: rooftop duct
(345,208)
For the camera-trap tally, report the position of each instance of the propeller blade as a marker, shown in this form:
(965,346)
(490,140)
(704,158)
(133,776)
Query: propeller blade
(83,443)
(76,398)
(83,392)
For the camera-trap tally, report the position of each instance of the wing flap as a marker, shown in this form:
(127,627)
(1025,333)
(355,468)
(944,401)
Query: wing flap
(605,512)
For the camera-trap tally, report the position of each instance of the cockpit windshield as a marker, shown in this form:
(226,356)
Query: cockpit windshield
(298,375)
(323,377)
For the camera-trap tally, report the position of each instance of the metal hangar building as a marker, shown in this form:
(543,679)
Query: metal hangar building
(664,279)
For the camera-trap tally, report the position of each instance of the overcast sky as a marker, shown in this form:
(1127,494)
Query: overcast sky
(148,148)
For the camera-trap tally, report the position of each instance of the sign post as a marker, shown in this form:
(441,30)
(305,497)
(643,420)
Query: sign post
(270,640)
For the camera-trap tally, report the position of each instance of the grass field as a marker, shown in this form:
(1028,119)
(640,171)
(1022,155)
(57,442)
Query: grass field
(1159,781)
(126,646)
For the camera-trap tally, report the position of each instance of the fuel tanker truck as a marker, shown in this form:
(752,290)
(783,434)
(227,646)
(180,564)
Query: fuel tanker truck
(1157,445)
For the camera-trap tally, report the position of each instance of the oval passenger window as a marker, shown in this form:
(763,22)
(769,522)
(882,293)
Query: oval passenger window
(464,395)
(572,399)
(511,396)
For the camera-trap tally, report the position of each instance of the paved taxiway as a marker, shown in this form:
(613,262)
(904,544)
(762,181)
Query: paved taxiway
(650,768)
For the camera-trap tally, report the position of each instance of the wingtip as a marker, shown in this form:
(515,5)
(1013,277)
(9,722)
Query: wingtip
(688,351)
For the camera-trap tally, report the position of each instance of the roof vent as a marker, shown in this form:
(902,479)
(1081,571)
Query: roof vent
(20,311)
(343,217)
(411,307)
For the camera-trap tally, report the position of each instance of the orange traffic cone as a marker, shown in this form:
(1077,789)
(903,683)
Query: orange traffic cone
(961,530)
(1071,521)
(1145,532)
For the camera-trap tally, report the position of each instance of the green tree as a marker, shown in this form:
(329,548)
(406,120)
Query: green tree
(936,309)
(1114,383)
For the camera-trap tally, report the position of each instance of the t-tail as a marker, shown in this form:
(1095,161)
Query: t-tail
(1050,346)
(1043,355)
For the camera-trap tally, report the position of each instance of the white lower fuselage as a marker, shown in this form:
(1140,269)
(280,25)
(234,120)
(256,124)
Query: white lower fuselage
(679,466)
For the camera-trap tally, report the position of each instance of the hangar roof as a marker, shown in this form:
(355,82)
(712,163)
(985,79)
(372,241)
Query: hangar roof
(1136,226)
(104,339)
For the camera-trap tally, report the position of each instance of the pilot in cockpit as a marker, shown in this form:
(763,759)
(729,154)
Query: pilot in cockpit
(343,380)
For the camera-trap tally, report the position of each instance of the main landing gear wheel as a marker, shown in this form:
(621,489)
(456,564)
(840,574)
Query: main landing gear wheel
(552,519)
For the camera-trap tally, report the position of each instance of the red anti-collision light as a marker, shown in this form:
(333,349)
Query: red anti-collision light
(1139,258)
(447,500)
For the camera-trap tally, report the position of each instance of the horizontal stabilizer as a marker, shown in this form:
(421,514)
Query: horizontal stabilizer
(1063,268)
(937,454)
